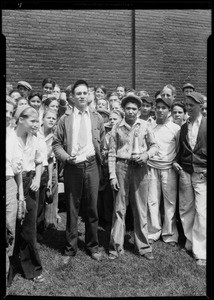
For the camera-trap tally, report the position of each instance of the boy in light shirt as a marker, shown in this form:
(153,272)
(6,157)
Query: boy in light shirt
(162,177)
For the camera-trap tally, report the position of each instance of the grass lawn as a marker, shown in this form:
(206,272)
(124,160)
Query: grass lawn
(172,273)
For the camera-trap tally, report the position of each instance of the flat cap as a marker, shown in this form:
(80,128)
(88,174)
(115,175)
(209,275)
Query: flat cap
(131,97)
(166,101)
(78,82)
(188,85)
(197,97)
(25,84)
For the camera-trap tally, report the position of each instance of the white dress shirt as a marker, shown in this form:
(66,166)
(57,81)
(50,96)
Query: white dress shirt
(88,150)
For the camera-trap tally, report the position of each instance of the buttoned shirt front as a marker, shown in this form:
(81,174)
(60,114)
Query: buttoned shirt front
(88,150)
(122,138)
(193,130)
(30,152)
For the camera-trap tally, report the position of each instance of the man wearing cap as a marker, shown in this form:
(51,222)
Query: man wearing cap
(131,144)
(78,142)
(162,177)
(24,88)
(191,164)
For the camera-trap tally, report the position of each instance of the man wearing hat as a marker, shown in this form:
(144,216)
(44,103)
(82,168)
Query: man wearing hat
(188,88)
(78,143)
(131,144)
(191,164)
(24,88)
(162,177)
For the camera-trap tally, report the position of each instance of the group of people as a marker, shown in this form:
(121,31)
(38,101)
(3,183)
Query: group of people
(110,149)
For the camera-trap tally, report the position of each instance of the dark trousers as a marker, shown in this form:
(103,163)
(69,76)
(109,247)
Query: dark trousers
(41,202)
(81,180)
(26,234)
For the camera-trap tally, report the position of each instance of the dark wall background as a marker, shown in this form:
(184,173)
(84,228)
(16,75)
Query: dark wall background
(170,46)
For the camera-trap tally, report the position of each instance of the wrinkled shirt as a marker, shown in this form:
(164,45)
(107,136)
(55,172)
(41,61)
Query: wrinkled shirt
(121,142)
(167,137)
(193,131)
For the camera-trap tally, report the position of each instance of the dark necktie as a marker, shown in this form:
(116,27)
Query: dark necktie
(82,135)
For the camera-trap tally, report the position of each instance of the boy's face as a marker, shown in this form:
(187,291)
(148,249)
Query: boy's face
(162,111)
(23,91)
(120,91)
(146,108)
(188,90)
(131,111)
(113,119)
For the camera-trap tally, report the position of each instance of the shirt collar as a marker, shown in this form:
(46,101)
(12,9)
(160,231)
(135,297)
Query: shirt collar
(197,120)
(123,123)
(77,111)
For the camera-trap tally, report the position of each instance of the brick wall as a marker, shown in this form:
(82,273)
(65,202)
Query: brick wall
(171,47)
(96,45)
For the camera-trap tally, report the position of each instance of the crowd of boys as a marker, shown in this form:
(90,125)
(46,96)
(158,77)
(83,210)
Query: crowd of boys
(110,149)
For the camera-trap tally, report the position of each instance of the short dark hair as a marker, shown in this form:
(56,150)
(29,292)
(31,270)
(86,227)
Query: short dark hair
(77,83)
(48,80)
(35,94)
(179,103)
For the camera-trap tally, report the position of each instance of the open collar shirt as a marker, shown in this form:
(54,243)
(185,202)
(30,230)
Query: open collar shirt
(193,130)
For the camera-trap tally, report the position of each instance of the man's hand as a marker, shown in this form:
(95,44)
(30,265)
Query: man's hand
(176,167)
(71,159)
(114,184)
(142,159)
(35,185)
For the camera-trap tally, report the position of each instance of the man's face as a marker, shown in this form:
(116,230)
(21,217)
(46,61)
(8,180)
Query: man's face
(193,108)
(23,91)
(115,106)
(131,111)
(162,111)
(166,93)
(146,108)
(188,90)
(80,96)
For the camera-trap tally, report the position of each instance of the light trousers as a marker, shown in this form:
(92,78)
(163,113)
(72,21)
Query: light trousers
(192,209)
(162,182)
(133,182)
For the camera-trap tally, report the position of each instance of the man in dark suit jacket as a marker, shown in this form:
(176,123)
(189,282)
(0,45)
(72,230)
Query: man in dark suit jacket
(191,163)
(78,142)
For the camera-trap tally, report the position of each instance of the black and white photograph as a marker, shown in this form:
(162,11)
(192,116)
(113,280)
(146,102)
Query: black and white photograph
(106,151)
